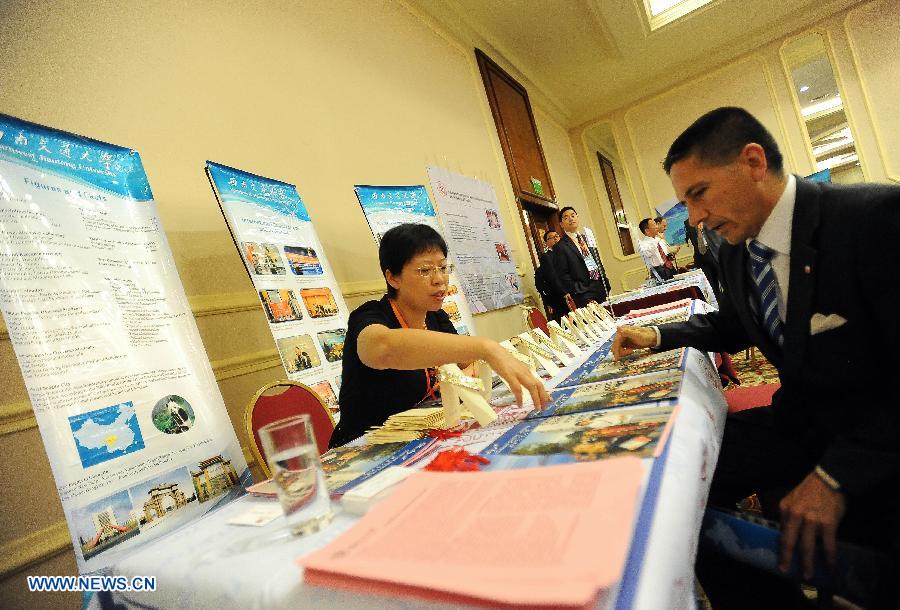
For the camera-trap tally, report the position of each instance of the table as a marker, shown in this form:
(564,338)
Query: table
(658,294)
(211,564)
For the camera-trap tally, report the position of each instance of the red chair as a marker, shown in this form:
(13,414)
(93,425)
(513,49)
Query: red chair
(281,399)
(535,319)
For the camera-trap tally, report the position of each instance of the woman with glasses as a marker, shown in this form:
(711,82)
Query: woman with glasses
(392,344)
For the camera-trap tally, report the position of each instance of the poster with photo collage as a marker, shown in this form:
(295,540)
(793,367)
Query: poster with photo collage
(291,275)
(474,232)
(386,207)
(127,404)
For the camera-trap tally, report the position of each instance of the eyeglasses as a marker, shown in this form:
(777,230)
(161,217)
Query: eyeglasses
(429,272)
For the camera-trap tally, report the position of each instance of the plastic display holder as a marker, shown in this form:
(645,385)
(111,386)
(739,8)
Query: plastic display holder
(602,313)
(559,350)
(588,320)
(540,353)
(563,337)
(577,324)
(459,391)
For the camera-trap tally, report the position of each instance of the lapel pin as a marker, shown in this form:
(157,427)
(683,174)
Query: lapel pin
(807,269)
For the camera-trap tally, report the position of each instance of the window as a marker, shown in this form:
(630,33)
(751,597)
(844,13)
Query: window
(662,12)
(615,200)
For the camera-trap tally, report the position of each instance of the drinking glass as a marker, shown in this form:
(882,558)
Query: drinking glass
(293,457)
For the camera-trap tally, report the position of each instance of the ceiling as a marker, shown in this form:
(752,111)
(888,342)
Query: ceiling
(585,58)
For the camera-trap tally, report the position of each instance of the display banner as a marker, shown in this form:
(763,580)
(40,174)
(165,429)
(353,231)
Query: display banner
(133,422)
(676,213)
(471,215)
(388,206)
(291,275)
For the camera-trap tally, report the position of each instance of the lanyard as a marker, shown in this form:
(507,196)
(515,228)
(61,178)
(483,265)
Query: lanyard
(429,388)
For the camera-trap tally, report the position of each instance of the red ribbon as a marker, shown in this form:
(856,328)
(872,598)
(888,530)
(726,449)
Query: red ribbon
(456,460)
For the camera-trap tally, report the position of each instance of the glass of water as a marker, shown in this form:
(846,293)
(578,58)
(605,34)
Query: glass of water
(293,457)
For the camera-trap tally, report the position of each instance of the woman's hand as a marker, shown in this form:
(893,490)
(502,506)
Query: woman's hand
(516,374)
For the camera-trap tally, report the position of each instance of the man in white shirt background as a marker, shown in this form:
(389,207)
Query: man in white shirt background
(653,252)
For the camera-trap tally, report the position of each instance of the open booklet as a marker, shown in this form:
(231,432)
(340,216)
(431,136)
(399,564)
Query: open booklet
(537,537)
(582,437)
(638,363)
(652,387)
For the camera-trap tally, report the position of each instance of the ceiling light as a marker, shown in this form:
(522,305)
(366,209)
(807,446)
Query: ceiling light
(804,88)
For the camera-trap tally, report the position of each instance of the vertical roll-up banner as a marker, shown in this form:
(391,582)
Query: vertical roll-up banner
(133,422)
(278,243)
(471,215)
(386,207)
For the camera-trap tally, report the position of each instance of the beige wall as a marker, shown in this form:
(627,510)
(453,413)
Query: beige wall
(324,95)
(864,46)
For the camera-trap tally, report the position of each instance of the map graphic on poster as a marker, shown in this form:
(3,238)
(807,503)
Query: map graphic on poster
(471,215)
(386,207)
(118,378)
(287,265)
(106,434)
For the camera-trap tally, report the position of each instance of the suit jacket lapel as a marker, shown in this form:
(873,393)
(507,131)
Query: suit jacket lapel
(802,275)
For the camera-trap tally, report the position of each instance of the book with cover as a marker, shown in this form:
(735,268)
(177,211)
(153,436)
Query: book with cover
(350,465)
(652,387)
(637,363)
(581,437)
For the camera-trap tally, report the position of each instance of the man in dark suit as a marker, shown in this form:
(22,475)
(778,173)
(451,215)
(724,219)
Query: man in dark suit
(546,280)
(706,252)
(579,273)
(805,277)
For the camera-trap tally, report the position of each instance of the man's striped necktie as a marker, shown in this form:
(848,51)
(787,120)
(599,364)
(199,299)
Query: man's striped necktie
(766,289)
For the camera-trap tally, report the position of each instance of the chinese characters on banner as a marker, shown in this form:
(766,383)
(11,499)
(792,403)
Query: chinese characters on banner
(132,419)
(388,206)
(287,264)
(484,264)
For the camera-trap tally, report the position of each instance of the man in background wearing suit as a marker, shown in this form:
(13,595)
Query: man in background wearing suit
(803,279)
(706,252)
(580,274)
(546,280)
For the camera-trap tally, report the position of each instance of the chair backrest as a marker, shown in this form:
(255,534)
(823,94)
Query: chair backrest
(281,399)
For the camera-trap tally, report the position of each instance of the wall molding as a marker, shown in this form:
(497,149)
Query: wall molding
(865,89)
(224,303)
(367,288)
(601,196)
(773,99)
(15,417)
(34,548)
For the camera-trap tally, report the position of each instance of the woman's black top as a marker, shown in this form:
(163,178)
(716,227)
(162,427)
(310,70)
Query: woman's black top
(369,396)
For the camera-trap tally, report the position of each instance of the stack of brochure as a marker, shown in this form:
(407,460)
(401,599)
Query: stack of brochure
(406,426)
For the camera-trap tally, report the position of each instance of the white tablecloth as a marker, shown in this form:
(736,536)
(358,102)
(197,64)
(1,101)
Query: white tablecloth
(211,564)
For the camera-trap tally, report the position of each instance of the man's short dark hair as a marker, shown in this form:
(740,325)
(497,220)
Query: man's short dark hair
(548,232)
(401,243)
(564,210)
(718,137)
(642,225)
